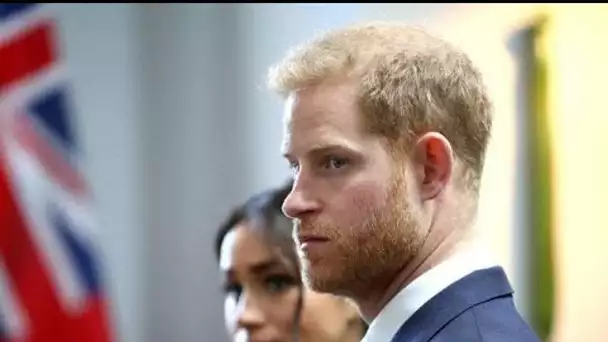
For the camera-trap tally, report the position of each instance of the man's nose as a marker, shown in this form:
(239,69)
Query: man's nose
(299,202)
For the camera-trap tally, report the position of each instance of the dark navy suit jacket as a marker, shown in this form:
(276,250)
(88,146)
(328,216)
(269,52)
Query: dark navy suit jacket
(478,307)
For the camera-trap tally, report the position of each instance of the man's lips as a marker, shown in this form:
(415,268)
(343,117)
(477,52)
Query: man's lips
(310,239)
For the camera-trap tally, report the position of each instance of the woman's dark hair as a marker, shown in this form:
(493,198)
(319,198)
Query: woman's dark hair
(263,211)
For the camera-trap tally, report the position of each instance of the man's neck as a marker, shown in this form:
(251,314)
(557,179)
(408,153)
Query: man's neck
(354,331)
(436,248)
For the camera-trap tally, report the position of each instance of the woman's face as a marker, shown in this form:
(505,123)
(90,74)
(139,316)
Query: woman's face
(261,295)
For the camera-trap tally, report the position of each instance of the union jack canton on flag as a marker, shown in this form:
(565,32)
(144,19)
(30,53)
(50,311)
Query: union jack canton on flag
(50,283)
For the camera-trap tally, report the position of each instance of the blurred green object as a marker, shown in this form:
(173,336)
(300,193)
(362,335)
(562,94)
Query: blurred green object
(541,185)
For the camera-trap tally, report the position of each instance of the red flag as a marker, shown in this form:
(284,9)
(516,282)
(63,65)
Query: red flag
(51,287)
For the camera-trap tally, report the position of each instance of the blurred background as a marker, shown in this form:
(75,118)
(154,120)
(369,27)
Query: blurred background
(177,127)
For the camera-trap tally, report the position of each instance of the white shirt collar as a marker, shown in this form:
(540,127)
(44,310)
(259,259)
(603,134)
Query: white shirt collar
(403,305)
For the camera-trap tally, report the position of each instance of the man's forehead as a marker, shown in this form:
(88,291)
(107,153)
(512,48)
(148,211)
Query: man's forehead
(308,134)
(306,119)
(320,139)
(312,117)
(318,116)
(316,102)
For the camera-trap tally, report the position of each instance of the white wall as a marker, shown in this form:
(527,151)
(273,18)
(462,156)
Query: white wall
(100,54)
(578,125)
(195,162)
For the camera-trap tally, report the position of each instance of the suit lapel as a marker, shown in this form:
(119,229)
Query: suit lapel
(479,286)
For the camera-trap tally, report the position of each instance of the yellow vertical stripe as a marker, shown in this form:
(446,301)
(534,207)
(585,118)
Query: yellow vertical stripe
(541,175)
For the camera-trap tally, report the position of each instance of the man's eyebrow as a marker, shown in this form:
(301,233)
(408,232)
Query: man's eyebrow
(324,149)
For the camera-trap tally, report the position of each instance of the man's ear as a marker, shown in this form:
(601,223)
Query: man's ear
(434,161)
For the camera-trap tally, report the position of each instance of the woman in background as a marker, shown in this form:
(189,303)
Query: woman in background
(265,299)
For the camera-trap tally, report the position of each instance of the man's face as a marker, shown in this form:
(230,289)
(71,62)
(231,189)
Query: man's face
(354,207)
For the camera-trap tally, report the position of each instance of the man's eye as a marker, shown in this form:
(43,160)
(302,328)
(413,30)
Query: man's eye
(335,163)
